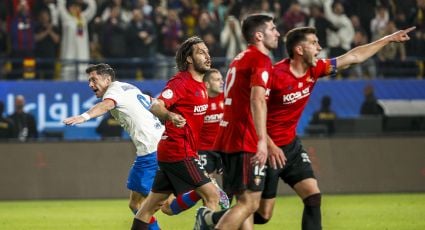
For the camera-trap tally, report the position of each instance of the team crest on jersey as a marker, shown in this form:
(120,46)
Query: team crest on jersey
(167,94)
(257,180)
(213,106)
(300,84)
(309,79)
(265,77)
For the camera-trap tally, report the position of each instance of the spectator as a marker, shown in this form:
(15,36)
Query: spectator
(325,116)
(4,48)
(394,54)
(218,12)
(22,37)
(75,37)
(140,38)
(322,25)
(294,17)
(124,14)
(417,47)
(25,125)
(172,32)
(145,7)
(47,40)
(109,128)
(339,41)
(370,105)
(231,38)
(6,125)
(206,25)
(366,69)
(114,38)
(50,6)
(378,24)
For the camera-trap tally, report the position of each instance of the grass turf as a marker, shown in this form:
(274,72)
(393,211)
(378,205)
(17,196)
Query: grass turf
(341,212)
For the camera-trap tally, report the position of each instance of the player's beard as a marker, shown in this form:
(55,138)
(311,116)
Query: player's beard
(310,59)
(201,67)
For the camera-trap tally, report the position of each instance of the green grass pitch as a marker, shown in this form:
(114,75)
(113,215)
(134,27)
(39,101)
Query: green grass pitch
(339,212)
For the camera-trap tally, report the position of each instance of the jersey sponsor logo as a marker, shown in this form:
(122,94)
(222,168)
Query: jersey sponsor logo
(224,123)
(213,118)
(167,94)
(291,98)
(200,109)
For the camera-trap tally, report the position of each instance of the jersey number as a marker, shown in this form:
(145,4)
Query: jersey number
(230,80)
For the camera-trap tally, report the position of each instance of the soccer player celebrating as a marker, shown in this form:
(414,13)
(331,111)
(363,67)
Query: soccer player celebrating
(182,104)
(242,136)
(130,107)
(292,83)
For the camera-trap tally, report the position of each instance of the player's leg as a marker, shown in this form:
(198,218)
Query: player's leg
(136,200)
(299,175)
(247,203)
(151,204)
(140,180)
(309,192)
(239,175)
(161,189)
(265,211)
(188,175)
(175,205)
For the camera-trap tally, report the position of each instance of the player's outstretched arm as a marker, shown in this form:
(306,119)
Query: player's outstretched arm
(361,53)
(159,110)
(97,110)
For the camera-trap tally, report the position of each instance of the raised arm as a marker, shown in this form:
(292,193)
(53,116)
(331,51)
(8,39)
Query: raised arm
(159,110)
(95,111)
(361,53)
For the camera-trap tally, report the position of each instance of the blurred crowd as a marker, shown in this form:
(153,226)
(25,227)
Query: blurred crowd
(36,34)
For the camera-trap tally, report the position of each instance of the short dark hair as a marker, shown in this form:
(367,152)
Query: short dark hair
(102,69)
(184,51)
(254,23)
(208,74)
(295,36)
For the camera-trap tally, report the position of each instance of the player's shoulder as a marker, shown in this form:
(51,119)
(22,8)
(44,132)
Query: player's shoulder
(121,86)
(281,66)
(180,78)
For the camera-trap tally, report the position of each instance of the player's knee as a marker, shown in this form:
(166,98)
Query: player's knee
(259,219)
(313,200)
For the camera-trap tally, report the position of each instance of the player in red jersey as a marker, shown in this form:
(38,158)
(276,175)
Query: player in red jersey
(292,83)
(209,160)
(182,104)
(242,136)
